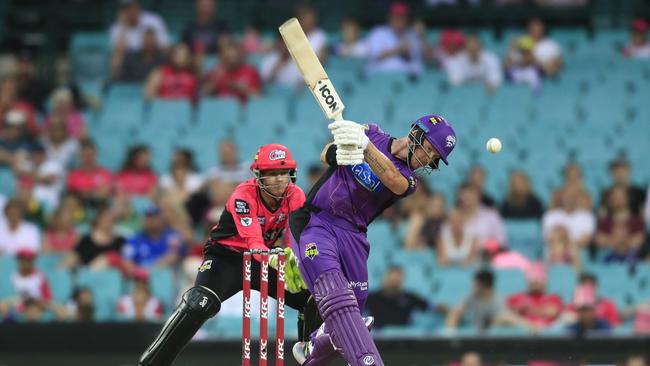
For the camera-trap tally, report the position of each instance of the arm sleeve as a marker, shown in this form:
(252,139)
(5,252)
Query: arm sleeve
(330,155)
(243,210)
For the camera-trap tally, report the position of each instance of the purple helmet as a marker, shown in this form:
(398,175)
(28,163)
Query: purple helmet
(439,133)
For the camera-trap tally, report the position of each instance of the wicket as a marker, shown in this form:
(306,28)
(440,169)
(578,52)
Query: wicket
(264,307)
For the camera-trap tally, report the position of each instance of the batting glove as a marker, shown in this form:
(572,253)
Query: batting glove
(349,133)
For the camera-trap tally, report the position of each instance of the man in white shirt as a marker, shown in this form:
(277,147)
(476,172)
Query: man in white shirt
(127,32)
(230,169)
(547,52)
(579,223)
(48,176)
(278,67)
(483,222)
(474,65)
(394,47)
(16,233)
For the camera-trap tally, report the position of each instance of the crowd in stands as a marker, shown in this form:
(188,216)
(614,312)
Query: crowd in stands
(136,219)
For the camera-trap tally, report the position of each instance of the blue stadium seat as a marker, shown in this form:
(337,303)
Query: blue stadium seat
(7,182)
(106,286)
(89,54)
(452,285)
(60,283)
(269,113)
(525,236)
(7,268)
(562,281)
(215,113)
(163,287)
(47,262)
(125,91)
(169,115)
(509,281)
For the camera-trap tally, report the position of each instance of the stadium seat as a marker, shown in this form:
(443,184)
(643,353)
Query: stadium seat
(562,281)
(509,281)
(525,237)
(452,285)
(162,282)
(60,283)
(7,269)
(169,115)
(215,113)
(47,262)
(7,182)
(106,286)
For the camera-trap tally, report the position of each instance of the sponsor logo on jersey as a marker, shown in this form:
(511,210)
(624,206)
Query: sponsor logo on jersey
(281,217)
(311,250)
(241,207)
(206,265)
(364,175)
(246,221)
(363,286)
(368,360)
(278,154)
(450,141)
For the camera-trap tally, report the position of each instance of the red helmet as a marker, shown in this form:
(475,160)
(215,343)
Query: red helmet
(273,156)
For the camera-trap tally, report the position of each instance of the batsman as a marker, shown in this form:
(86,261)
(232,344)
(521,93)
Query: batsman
(368,171)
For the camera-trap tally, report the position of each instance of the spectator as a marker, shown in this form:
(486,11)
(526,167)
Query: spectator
(140,305)
(132,22)
(252,41)
(93,183)
(521,202)
(635,360)
(587,320)
(523,68)
(70,201)
(15,144)
(230,169)
(61,235)
(134,66)
(572,180)
(638,47)
(560,250)
(579,222)
(15,233)
(64,110)
(547,52)
(82,306)
(620,232)
(174,80)
(182,181)
(157,244)
(619,170)
(498,256)
(474,65)
(604,308)
(483,221)
(46,176)
(450,45)
(278,68)
(10,102)
(471,359)
(34,211)
(136,177)
(351,45)
(317,37)
(457,245)
(392,305)
(642,318)
(31,88)
(206,34)
(59,146)
(100,248)
(29,283)
(233,77)
(482,308)
(395,47)
(537,307)
(428,50)
(425,220)
(476,179)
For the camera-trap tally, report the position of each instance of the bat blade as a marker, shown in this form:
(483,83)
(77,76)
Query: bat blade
(311,69)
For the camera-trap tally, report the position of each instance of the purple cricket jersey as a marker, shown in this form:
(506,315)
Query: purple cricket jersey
(354,193)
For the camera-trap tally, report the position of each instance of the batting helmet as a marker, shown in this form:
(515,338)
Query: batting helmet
(438,132)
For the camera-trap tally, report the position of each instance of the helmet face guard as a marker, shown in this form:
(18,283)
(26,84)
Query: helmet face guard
(265,187)
(417,136)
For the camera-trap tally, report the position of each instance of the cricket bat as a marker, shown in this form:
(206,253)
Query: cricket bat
(311,69)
